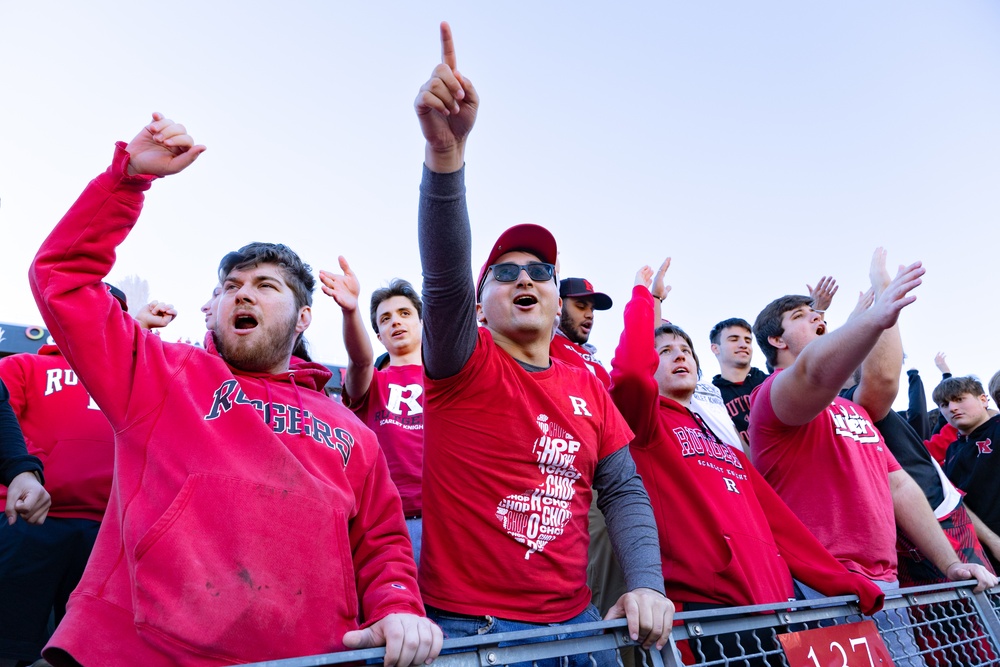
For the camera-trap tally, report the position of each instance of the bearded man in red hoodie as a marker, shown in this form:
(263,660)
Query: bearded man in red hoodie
(250,518)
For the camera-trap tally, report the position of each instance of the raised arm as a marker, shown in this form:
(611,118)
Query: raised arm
(446,107)
(633,383)
(345,289)
(155,315)
(823,366)
(66,274)
(822,294)
(660,291)
(916,405)
(880,370)
(941,361)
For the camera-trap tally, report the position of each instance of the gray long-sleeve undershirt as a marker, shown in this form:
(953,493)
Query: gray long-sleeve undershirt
(449,339)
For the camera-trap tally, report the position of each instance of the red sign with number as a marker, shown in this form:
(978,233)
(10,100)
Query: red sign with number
(850,645)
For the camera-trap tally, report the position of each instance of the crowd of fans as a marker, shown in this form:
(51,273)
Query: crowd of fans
(172,504)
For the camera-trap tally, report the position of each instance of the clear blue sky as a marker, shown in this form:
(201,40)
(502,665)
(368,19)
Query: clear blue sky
(761,145)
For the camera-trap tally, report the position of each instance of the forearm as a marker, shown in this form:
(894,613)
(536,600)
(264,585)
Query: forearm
(811,383)
(916,519)
(360,357)
(916,407)
(446,161)
(445,240)
(631,527)
(880,374)
(380,548)
(633,385)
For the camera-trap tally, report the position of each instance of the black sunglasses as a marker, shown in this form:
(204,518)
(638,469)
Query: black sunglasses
(509,271)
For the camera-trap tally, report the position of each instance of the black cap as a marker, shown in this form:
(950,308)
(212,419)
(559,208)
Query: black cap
(119,296)
(577,287)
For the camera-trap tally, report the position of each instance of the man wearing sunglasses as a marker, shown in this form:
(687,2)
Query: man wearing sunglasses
(514,440)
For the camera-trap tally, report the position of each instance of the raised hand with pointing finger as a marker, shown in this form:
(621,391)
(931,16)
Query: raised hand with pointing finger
(446,107)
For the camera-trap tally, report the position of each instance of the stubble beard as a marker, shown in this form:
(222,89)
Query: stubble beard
(570,331)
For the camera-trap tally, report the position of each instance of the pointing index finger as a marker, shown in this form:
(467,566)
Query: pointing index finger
(448,56)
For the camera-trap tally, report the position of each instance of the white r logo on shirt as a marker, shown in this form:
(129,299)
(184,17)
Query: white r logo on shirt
(579,406)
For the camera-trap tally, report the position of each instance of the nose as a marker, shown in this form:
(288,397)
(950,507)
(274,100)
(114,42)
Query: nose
(244,293)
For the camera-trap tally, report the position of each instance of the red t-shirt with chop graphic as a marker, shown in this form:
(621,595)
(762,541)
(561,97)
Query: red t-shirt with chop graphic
(509,460)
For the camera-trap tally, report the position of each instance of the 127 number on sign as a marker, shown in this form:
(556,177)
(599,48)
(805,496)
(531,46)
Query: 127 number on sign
(850,645)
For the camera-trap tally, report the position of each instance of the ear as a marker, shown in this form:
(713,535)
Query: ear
(777,342)
(304,320)
(480,315)
(985,400)
(715,349)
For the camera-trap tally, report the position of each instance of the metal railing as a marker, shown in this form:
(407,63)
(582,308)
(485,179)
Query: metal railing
(937,626)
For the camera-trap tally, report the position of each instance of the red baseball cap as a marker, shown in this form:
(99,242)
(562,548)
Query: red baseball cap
(528,238)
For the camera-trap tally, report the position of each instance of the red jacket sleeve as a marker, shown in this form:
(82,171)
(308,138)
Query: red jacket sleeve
(807,559)
(87,324)
(383,557)
(633,385)
(939,442)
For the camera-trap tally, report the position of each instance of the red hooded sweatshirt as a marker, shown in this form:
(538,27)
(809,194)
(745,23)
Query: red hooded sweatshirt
(725,535)
(65,429)
(251,517)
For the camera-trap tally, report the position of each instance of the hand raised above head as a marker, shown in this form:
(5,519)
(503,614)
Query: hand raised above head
(446,107)
(156,315)
(896,295)
(865,301)
(822,294)
(344,289)
(644,276)
(162,148)
(877,272)
(940,360)
(658,289)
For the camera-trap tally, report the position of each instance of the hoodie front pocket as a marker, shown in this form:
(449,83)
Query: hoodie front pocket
(246,571)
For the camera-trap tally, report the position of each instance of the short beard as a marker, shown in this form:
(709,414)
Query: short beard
(566,326)
(263,357)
